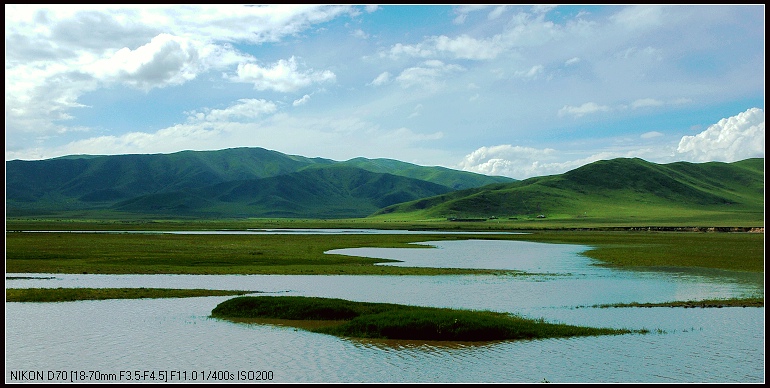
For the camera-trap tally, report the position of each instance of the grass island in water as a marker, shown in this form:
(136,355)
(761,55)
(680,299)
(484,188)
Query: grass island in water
(394,321)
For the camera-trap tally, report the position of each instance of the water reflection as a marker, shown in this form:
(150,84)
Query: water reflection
(686,345)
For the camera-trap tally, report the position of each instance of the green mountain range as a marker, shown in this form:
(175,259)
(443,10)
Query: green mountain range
(238,182)
(255,182)
(618,189)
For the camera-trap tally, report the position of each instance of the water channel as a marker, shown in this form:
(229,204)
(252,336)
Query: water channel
(112,337)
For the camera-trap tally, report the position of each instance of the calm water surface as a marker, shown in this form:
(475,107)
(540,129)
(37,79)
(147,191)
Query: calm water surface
(685,345)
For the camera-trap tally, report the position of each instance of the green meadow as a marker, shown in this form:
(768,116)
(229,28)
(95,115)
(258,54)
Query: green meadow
(126,253)
(65,251)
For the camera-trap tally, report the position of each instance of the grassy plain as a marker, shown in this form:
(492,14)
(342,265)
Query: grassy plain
(393,321)
(157,253)
(125,253)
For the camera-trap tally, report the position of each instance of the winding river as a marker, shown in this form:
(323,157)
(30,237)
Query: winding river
(175,340)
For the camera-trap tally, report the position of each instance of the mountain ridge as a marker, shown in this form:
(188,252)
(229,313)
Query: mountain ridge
(620,188)
(259,183)
(157,183)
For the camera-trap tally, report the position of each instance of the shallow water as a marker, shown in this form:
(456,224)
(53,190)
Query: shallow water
(685,345)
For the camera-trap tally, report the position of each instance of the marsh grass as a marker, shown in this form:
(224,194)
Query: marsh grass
(127,253)
(706,303)
(134,253)
(393,321)
(73,294)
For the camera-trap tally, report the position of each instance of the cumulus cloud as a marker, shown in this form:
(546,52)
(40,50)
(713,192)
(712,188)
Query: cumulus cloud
(525,162)
(57,53)
(283,76)
(734,138)
(165,60)
(507,160)
(731,139)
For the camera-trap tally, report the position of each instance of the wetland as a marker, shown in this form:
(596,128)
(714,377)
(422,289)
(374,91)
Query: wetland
(557,277)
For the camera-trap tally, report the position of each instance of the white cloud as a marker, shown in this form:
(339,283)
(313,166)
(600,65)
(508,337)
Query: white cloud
(507,160)
(542,8)
(533,72)
(496,12)
(165,60)
(338,138)
(416,111)
(460,19)
(283,76)
(301,101)
(639,18)
(572,61)
(57,53)
(244,109)
(461,47)
(646,102)
(428,76)
(408,50)
(463,11)
(525,162)
(731,139)
(734,138)
(651,134)
(466,47)
(582,110)
(359,33)
(381,79)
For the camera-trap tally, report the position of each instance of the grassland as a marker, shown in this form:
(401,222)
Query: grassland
(156,253)
(130,253)
(125,253)
(393,321)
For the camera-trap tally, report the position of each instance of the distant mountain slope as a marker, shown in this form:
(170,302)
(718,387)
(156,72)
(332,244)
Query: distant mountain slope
(332,192)
(606,189)
(151,183)
(457,180)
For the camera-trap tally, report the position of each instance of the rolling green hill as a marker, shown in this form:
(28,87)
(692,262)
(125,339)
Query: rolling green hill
(617,189)
(457,180)
(260,182)
(330,192)
(254,182)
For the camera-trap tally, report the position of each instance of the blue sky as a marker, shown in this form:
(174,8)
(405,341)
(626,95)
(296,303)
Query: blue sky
(515,90)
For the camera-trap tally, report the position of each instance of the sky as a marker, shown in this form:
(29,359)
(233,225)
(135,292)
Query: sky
(511,90)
